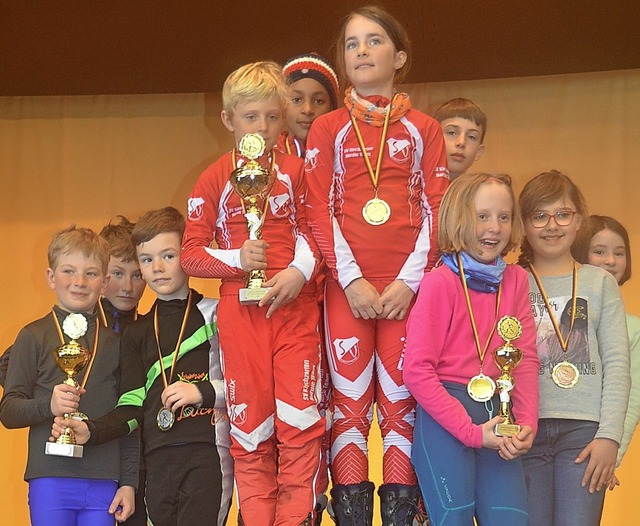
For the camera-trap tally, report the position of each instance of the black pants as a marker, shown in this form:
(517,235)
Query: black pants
(184,485)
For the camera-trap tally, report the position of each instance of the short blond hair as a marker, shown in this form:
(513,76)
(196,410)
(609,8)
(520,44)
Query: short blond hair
(254,82)
(77,239)
(457,216)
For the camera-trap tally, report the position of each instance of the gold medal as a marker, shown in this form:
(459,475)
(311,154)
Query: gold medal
(252,146)
(565,375)
(481,388)
(509,328)
(376,211)
(165,419)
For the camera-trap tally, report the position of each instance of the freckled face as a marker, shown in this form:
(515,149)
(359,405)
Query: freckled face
(78,281)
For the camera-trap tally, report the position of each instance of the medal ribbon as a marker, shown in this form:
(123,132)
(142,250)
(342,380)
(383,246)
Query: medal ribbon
(266,201)
(93,353)
(374,176)
(481,351)
(103,314)
(165,380)
(287,146)
(574,299)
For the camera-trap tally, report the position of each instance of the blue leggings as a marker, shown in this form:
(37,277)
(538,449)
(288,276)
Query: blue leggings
(459,483)
(58,501)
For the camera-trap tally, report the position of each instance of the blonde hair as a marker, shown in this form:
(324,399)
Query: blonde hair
(75,239)
(457,217)
(254,82)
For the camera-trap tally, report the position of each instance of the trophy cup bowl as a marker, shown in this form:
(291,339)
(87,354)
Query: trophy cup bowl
(253,183)
(506,357)
(71,358)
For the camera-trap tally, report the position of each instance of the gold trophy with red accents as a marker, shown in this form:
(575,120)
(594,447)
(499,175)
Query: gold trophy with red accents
(253,183)
(507,357)
(71,358)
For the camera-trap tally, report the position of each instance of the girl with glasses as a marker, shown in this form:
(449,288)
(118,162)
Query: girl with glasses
(584,359)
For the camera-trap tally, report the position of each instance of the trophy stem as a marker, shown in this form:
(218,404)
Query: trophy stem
(507,357)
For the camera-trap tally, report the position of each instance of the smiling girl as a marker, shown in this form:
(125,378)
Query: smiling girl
(608,247)
(584,384)
(464,310)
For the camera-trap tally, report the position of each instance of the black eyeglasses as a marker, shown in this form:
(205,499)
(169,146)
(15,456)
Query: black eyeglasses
(561,217)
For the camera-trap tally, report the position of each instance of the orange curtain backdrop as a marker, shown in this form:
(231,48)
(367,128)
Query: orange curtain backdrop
(86,159)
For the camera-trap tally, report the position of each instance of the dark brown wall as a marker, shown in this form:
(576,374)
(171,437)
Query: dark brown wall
(159,46)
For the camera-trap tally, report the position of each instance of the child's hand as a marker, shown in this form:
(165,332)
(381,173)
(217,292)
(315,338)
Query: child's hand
(65,399)
(489,439)
(79,428)
(517,445)
(124,503)
(285,287)
(179,394)
(253,255)
(363,299)
(613,482)
(395,298)
(602,454)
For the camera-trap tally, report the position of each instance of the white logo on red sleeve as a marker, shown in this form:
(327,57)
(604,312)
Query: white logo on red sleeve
(195,206)
(310,159)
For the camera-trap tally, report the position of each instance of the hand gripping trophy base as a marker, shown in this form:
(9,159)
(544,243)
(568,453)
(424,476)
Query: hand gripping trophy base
(506,430)
(254,291)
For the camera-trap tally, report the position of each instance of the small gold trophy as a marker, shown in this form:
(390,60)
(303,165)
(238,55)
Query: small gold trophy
(507,357)
(71,358)
(253,184)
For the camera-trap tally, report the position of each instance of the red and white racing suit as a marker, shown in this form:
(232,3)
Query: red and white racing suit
(365,356)
(288,143)
(270,365)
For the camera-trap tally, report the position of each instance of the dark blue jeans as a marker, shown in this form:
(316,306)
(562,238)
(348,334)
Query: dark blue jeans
(459,483)
(554,481)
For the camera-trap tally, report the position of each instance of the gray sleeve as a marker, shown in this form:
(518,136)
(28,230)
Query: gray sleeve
(613,346)
(633,411)
(20,407)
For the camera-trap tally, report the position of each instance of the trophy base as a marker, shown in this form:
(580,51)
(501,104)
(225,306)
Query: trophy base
(251,296)
(506,430)
(63,450)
